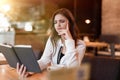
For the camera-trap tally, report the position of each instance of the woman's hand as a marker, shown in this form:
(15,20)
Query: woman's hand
(21,70)
(65,33)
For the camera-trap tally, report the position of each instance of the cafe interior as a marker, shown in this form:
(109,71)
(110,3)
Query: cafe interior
(27,22)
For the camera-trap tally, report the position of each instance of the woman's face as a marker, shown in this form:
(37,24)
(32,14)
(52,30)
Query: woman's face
(60,22)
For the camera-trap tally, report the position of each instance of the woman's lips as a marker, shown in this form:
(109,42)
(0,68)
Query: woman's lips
(59,28)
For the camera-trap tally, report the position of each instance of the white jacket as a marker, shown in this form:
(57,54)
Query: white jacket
(73,55)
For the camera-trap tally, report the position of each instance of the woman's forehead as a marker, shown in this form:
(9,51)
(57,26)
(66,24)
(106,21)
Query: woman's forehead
(59,16)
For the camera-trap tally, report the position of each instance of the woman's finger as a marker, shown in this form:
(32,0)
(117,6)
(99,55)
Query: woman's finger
(26,74)
(23,71)
(17,67)
(67,27)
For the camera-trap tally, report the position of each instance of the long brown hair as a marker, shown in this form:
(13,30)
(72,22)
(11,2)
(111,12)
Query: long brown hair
(72,25)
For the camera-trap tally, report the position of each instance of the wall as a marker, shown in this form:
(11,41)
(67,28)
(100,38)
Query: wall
(111,17)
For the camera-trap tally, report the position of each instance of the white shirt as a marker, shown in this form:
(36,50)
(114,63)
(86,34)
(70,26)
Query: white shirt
(73,55)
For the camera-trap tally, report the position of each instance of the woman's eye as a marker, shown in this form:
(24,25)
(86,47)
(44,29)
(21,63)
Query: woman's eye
(62,21)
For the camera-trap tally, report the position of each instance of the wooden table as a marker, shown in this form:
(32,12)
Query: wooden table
(9,73)
(96,44)
(101,44)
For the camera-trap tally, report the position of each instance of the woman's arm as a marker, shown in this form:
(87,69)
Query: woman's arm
(47,55)
(73,55)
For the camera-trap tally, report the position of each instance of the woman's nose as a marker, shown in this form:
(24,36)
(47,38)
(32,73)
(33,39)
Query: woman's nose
(58,24)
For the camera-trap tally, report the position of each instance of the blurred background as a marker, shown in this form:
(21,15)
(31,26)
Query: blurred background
(27,21)
(93,17)
(34,15)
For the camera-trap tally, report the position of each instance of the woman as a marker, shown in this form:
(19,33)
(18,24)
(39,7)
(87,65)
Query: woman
(64,47)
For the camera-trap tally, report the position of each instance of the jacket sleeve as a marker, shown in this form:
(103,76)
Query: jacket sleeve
(73,55)
(47,55)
